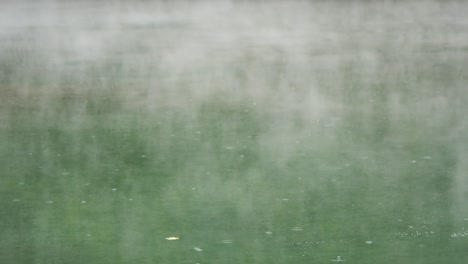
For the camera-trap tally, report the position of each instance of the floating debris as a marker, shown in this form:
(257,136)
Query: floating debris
(197,249)
(413,161)
(460,234)
(16,200)
(427,157)
(414,234)
(369,242)
(83,202)
(49,202)
(226,241)
(172,238)
(268,232)
(297,228)
(338,258)
(114,189)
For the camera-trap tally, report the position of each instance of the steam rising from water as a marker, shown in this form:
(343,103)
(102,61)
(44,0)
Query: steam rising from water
(336,122)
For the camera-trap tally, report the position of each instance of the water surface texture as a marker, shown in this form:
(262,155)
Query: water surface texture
(233,132)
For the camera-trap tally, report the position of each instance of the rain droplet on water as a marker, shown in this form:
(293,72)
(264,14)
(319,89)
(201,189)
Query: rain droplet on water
(338,258)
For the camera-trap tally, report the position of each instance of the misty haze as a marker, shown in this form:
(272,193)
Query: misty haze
(233,132)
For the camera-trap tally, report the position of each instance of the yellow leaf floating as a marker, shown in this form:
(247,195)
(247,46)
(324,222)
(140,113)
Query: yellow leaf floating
(172,238)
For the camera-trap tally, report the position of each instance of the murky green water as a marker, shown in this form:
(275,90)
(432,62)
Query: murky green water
(254,132)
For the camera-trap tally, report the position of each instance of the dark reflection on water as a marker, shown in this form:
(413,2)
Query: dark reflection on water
(233,133)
